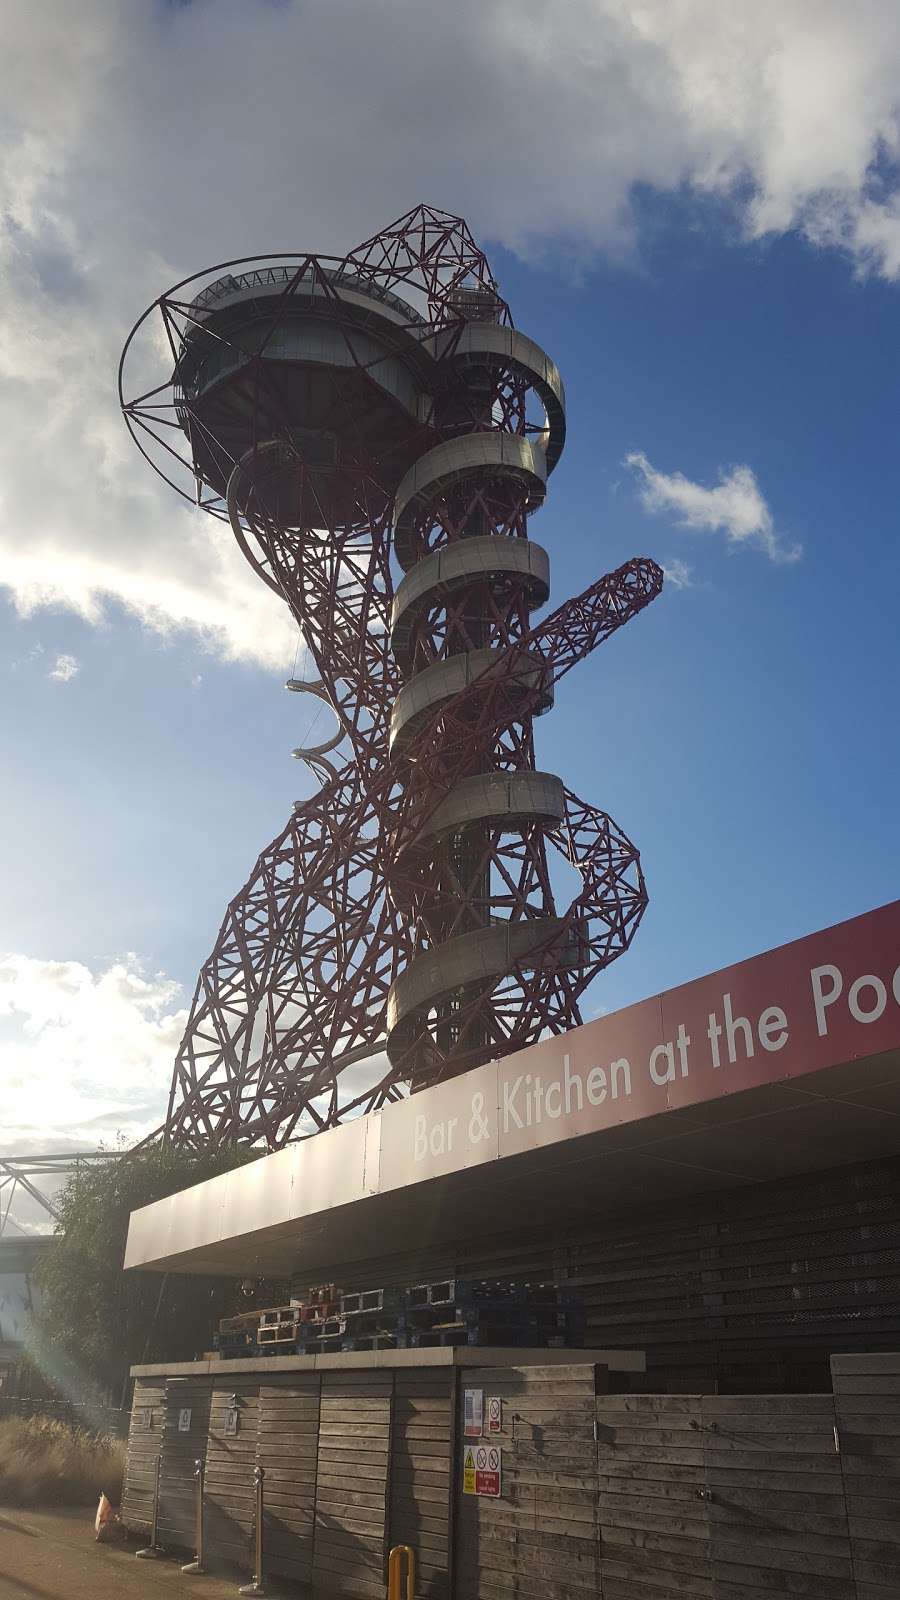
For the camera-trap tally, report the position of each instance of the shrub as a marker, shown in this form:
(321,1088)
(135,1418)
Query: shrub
(43,1462)
(92,1320)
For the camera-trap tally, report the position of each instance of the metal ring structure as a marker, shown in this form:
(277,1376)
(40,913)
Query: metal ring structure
(427,691)
(471,961)
(488,455)
(456,566)
(488,345)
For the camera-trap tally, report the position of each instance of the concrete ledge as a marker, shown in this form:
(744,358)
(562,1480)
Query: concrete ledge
(453,1356)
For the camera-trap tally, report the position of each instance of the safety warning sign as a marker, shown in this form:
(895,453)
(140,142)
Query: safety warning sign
(495,1414)
(482,1470)
(473,1421)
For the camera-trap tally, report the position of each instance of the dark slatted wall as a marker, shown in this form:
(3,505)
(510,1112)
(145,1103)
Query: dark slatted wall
(230,1460)
(751,1289)
(287,1450)
(539,1540)
(144,1440)
(422,1455)
(350,1544)
(867,1402)
(180,1451)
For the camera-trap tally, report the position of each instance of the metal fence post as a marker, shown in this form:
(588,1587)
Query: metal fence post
(153,1552)
(257,1587)
(395,1572)
(196,1566)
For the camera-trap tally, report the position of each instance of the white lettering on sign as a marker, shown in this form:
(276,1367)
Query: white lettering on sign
(443,1137)
(828,986)
(438,1141)
(527,1100)
(740,1035)
(743,1028)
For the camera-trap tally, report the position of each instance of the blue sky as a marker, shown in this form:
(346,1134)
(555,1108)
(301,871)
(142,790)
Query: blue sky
(742,731)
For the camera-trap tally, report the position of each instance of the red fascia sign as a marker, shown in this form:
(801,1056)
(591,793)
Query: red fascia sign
(827,999)
(822,1001)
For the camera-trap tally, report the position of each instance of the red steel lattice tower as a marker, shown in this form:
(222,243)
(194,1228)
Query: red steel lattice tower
(378,434)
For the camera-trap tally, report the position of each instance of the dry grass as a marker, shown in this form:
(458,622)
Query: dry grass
(46,1463)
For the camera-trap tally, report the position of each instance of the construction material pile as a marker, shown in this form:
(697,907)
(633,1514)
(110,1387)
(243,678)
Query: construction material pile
(449,1311)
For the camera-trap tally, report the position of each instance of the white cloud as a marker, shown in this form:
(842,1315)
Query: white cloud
(84,1054)
(64,669)
(734,506)
(678,574)
(32,655)
(152,140)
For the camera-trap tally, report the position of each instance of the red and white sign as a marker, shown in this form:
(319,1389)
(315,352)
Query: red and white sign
(828,999)
(495,1414)
(488,1471)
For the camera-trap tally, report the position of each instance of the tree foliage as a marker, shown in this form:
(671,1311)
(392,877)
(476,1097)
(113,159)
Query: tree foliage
(93,1320)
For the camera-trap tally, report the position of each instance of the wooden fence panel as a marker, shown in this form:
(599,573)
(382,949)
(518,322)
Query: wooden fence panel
(185,1431)
(539,1540)
(653,1507)
(230,1460)
(287,1449)
(421,1458)
(350,1543)
(777,1513)
(144,1442)
(867,1402)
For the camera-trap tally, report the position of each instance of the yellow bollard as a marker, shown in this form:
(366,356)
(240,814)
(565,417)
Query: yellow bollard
(395,1572)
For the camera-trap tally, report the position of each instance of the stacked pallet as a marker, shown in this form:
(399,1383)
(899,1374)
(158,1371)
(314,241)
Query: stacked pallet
(443,1312)
(460,1311)
(277,1329)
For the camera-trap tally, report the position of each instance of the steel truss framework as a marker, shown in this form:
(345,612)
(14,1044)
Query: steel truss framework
(20,1177)
(349,417)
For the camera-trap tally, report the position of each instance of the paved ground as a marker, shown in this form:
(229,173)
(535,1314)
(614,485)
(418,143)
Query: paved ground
(53,1555)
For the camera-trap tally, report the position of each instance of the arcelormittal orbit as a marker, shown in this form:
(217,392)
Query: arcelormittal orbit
(378,434)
